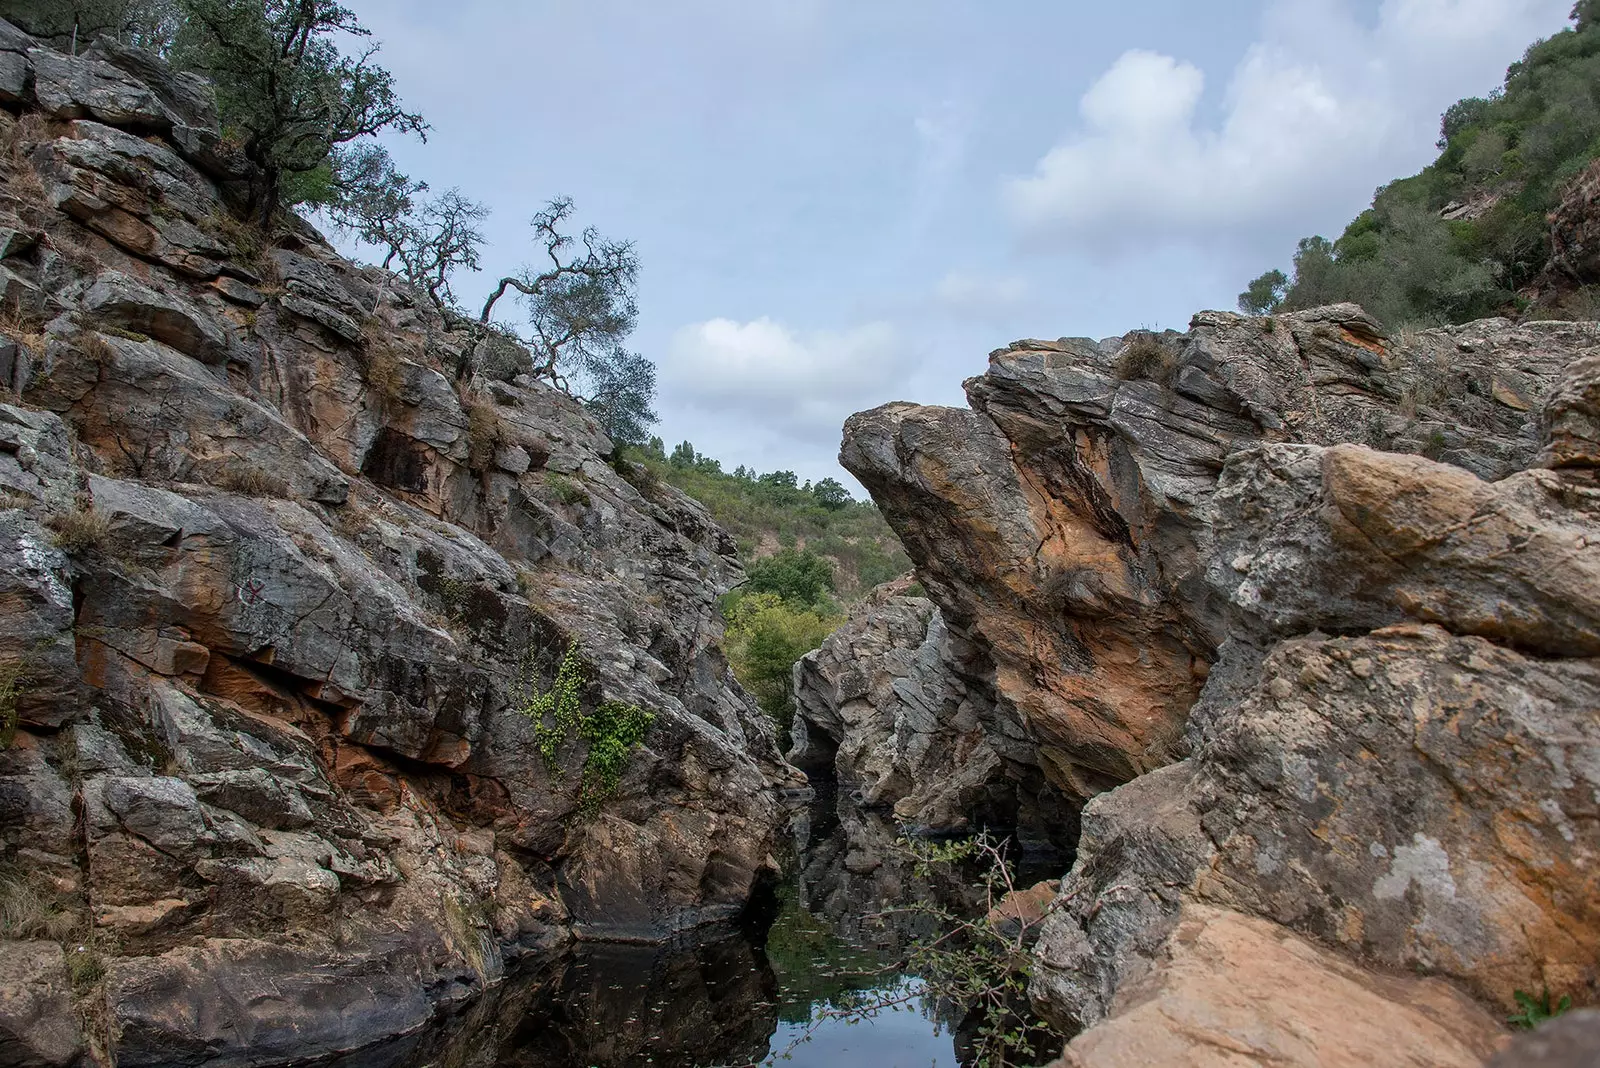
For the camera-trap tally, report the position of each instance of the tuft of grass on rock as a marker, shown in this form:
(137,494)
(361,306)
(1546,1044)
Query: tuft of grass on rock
(1147,357)
(80,530)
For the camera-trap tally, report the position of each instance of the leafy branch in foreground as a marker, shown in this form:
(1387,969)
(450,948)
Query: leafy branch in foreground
(977,966)
(613,730)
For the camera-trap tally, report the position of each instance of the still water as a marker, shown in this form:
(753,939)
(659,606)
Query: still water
(784,988)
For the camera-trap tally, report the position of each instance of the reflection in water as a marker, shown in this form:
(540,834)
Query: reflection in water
(785,987)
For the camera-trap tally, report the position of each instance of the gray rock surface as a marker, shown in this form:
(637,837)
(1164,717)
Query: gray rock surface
(878,709)
(271,620)
(38,1022)
(1569,1041)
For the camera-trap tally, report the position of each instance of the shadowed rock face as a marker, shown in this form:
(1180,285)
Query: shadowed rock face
(1063,526)
(269,767)
(878,709)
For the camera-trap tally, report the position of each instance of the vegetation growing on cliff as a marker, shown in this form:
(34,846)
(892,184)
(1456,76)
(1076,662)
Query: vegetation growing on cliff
(772,511)
(807,548)
(301,100)
(612,731)
(1460,240)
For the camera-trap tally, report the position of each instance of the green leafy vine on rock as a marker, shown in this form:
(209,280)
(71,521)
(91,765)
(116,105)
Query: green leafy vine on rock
(613,730)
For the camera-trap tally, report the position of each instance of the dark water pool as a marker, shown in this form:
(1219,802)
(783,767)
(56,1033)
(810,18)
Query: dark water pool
(788,987)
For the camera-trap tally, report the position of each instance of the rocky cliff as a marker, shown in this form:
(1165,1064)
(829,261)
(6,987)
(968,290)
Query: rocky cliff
(279,574)
(1320,598)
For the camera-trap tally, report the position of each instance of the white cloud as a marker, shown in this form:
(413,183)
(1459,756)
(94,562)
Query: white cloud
(1317,113)
(802,384)
(979,296)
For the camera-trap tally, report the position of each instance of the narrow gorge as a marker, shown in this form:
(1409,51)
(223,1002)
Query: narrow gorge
(362,703)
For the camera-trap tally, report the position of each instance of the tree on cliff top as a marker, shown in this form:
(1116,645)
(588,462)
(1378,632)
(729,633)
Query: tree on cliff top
(287,95)
(579,304)
(1466,237)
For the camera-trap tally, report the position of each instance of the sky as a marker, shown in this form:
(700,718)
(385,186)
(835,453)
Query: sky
(841,203)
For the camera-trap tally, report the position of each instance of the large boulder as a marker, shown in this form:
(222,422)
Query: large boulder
(1064,525)
(1230,990)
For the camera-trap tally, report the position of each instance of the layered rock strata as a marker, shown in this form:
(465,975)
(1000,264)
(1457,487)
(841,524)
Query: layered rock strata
(277,571)
(1063,525)
(1307,614)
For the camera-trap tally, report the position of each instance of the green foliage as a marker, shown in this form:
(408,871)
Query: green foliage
(287,95)
(580,305)
(813,965)
(1535,1011)
(13,684)
(777,509)
(981,963)
(831,494)
(557,713)
(612,731)
(1263,295)
(566,490)
(799,576)
(1504,160)
(766,636)
(832,546)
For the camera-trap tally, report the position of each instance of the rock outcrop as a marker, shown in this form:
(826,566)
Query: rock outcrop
(277,572)
(1420,791)
(1575,230)
(878,709)
(1228,990)
(1063,526)
(1307,615)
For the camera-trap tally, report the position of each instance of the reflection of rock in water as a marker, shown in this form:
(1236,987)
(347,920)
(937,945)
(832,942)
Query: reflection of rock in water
(612,1005)
(618,1005)
(717,1000)
(855,873)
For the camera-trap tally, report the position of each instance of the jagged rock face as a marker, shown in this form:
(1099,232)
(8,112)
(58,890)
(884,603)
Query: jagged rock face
(1419,790)
(878,709)
(268,738)
(1575,228)
(1064,525)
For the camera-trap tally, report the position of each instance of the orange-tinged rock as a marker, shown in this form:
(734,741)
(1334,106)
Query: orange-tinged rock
(1229,991)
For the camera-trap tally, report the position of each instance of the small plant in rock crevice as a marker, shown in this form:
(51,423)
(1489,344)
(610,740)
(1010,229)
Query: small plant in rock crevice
(1536,1010)
(486,431)
(13,684)
(1147,357)
(79,530)
(613,730)
(26,912)
(566,490)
